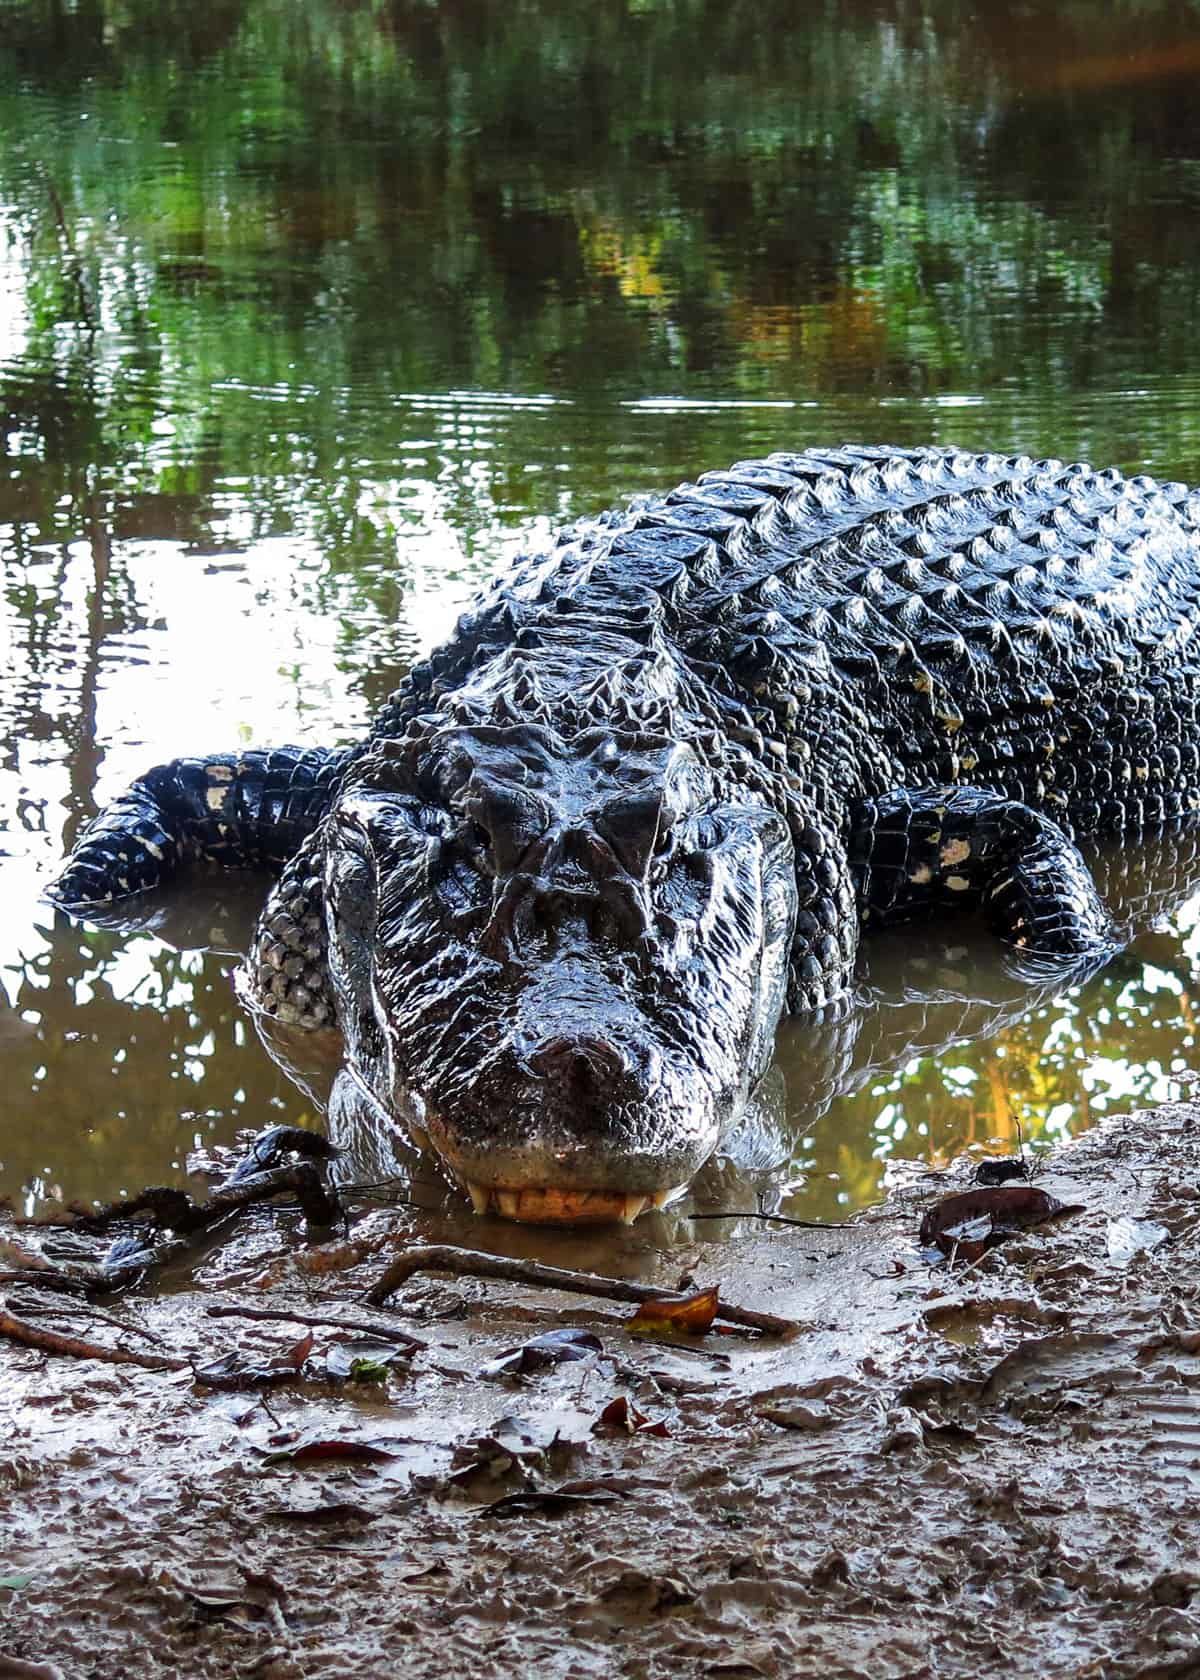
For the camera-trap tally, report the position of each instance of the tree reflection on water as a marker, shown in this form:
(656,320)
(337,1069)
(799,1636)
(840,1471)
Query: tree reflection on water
(310,312)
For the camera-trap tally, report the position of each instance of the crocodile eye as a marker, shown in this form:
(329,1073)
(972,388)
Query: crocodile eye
(707,835)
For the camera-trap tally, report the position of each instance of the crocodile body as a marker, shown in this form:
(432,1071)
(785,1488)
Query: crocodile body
(664,774)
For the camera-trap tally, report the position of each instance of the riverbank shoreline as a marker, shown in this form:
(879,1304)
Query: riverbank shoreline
(948,1471)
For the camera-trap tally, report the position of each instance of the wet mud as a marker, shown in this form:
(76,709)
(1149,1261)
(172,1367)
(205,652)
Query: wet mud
(955,1468)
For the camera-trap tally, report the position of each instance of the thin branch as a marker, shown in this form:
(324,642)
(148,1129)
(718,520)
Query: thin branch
(66,240)
(466,1262)
(373,1327)
(780,1219)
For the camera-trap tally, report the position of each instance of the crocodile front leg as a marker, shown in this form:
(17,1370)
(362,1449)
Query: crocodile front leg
(915,852)
(248,810)
(825,941)
(286,974)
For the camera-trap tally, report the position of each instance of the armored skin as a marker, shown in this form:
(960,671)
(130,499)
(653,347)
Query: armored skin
(662,777)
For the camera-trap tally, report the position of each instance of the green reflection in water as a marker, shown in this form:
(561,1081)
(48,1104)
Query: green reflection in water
(312,312)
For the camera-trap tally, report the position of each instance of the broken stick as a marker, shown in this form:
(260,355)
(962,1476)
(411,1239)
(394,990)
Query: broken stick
(467,1262)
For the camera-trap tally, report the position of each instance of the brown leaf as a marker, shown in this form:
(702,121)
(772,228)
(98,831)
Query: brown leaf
(351,1361)
(975,1220)
(317,1448)
(619,1417)
(432,1575)
(299,1351)
(801,1414)
(690,1315)
(636,1590)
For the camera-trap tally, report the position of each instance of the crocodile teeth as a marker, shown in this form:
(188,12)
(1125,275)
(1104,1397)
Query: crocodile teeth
(545,1205)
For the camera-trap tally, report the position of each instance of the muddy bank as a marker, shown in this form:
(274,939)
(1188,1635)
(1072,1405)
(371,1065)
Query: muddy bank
(946,1473)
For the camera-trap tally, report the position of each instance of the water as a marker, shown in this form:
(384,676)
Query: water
(310,313)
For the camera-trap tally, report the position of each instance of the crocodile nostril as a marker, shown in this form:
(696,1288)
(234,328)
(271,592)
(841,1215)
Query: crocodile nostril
(590,1063)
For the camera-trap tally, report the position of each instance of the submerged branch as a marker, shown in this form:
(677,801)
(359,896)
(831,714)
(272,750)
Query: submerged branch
(176,1211)
(177,1224)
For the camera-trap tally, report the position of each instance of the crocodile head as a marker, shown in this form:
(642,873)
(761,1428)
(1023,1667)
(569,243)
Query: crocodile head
(572,954)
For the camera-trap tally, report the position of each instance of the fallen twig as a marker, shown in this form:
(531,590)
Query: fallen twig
(466,1262)
(372,1327)
(779,1219)
(49,1341)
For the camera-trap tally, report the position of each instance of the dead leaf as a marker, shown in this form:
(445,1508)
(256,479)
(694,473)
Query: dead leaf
(636,1590)
(515,1444)
(1001,1169)
(552,1500)
(903,1430)
(689,1315)
(299,1351)
(811,1416)
(318,1448)
(235,1370)
(620,1417)
(553,1347)
(247,1601)
(270,1147)
(429,1577)
(969,1223)
(340,1511)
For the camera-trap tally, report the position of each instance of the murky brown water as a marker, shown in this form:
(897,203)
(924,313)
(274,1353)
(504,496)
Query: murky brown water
(311,313)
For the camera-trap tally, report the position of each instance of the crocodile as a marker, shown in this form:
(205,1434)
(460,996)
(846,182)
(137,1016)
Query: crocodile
(666,772)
